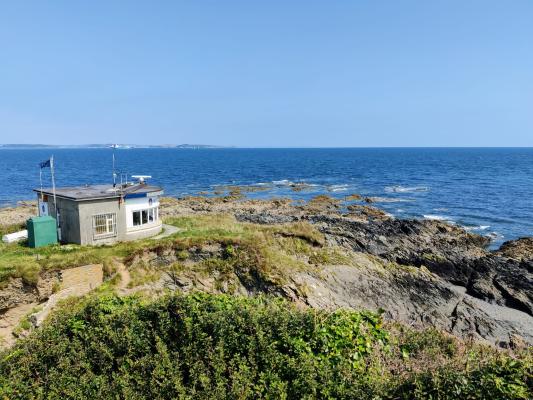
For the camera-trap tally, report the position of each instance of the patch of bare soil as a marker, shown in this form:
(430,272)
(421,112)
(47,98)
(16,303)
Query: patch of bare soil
(10,320)
(19,214)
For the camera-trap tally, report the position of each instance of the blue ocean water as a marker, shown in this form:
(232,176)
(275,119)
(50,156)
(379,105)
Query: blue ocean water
(487,190)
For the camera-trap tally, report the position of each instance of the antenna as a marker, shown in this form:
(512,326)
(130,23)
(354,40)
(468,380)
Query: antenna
(141,178)
(114,173)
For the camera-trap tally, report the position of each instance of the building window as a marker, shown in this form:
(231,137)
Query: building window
(104,225)
(144,215)
(147,216)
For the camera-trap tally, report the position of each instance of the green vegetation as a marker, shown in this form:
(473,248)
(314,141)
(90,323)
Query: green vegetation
(25,324)
(19,261)
(142,276)
(270,252)
(221,347)
(233,253)
(218,347)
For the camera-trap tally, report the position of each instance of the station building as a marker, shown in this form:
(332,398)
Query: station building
(102,214)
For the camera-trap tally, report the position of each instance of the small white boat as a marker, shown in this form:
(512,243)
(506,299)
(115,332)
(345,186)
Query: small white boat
(15,237)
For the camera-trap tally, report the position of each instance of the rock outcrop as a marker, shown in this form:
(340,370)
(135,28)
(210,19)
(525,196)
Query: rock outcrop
(473,292)
(423,273)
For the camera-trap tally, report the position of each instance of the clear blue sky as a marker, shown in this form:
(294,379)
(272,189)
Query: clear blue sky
(269,73)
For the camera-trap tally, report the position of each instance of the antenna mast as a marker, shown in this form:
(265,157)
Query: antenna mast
(114,173)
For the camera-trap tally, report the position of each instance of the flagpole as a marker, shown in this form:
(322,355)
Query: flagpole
(54,188)
(114,175)
(41,194)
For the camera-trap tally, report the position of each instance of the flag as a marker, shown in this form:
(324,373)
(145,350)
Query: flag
(45,164)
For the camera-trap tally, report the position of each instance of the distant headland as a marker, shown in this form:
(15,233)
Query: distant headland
(111,145)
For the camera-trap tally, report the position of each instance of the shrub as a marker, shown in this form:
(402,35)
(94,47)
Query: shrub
(199,346)
(500,378)
(219,347)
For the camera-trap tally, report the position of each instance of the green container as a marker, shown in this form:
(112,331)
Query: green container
(41,231)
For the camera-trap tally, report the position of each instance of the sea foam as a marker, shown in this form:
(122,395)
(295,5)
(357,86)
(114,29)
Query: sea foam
(406,189)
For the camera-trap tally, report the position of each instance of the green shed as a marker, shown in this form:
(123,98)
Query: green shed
(41,231)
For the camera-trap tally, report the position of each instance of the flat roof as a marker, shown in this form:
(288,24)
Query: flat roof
(94,192)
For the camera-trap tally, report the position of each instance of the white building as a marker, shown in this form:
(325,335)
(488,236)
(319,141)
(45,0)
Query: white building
(103,213)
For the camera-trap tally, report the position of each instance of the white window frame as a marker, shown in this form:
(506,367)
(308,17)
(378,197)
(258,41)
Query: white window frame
(154,211)
(108,221)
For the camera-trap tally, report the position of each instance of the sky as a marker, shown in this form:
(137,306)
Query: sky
(268,73)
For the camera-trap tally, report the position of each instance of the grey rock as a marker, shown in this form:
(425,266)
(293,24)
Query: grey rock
(469,291)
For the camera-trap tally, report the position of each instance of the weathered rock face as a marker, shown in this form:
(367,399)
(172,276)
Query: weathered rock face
(417,298)
(20,300)
(455,255)
(19,214)
(412,295)
(17,292)
(521,249)
(474,292)
(424,273)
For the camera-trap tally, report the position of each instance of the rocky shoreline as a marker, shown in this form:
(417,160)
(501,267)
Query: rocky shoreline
(437,274)
(422,273)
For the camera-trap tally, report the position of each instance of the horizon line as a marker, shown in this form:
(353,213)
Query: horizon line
(221,147)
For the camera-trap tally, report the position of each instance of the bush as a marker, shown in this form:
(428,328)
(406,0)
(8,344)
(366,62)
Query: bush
(199,346)
(499,379)
(219,347)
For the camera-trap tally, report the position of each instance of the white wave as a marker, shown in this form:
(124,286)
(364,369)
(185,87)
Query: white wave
(406,189)
(495,235)
(338,188)
(283,182)
(436,217)
(476,228)
(440,209)
(388,200)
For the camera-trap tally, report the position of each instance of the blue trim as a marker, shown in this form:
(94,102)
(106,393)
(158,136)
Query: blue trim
(135,195)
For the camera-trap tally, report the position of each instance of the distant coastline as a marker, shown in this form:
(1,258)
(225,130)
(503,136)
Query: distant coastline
(111,145)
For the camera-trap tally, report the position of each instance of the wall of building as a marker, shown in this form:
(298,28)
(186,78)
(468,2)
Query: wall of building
(138,232)
(68,218)
(145,232)
(135,204)
(88,209)
(76,219)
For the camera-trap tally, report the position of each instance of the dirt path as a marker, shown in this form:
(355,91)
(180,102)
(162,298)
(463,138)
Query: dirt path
(168,230)
(10,320)
(125,279)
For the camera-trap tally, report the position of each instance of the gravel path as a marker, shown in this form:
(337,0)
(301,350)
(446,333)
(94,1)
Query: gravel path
(167,231)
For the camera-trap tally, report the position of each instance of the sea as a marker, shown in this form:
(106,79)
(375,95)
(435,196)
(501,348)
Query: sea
(486,190)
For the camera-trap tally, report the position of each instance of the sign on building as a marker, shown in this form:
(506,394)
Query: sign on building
(43,208)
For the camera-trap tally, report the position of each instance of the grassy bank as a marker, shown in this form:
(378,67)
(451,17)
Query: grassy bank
(19,261)
(271,250)
(220,347)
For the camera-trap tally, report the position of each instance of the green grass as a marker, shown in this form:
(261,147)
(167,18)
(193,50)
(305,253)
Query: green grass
(271,251)
(143,276)
(252,254)
(25,324)
(19,261)
(249,252)
(205,346)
